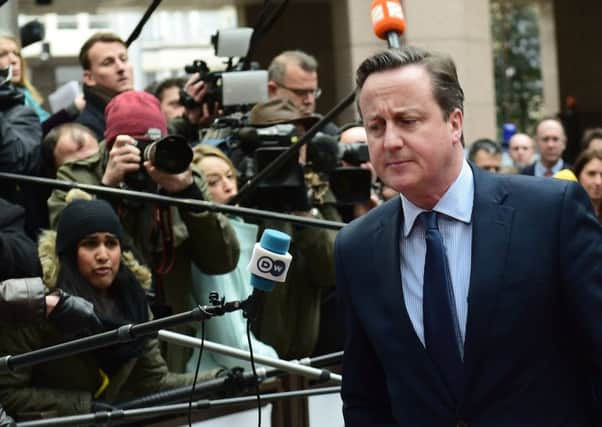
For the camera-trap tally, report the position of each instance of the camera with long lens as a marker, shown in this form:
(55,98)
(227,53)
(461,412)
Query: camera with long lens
(252,149)
(170,154)
(350,183)
(239,85)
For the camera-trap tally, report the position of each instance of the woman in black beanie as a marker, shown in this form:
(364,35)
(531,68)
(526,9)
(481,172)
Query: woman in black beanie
(85,258)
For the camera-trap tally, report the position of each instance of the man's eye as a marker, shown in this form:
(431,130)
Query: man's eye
(375,127)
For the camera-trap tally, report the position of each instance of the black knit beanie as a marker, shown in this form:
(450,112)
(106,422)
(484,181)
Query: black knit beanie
(83,217)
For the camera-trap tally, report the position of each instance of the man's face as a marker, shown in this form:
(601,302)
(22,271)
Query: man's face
(412,148)
(170,103)
(299,86)
(521,150)
(109,67)
(551,141)
(487,161)
(75,145)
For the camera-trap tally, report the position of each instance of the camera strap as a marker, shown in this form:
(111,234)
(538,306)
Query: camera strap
(163,222)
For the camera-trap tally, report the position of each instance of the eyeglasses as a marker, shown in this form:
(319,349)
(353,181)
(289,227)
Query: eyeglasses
(302,93)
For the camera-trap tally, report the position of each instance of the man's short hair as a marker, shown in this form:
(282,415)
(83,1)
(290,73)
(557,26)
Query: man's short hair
(446,87)
(103,37)
(589,136)
(277,69)
(158,89)
(484,144)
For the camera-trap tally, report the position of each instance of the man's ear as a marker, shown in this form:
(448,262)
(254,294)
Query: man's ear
(88,79)
(456,123)
(272,89)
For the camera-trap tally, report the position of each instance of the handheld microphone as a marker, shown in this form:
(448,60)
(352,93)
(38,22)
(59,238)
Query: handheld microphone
(270,262)
(388,21)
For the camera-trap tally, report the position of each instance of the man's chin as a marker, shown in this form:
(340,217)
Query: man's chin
(125,86)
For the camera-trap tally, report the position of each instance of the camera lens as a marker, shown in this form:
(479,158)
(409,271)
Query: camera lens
(171,154)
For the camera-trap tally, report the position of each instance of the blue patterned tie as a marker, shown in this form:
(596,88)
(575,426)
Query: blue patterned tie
(441,331)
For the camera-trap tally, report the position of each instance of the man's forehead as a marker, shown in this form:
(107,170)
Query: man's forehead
(550,126)
(520,140)
(101,50)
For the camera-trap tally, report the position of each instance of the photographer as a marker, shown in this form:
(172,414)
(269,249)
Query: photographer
(168,239)
(290,316)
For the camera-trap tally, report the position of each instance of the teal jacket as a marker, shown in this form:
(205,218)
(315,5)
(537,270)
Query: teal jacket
(32,103)
(231,329)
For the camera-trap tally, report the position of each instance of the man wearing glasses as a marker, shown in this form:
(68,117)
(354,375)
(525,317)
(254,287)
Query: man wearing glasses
(293,75)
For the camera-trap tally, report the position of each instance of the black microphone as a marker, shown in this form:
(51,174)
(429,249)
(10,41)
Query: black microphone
(388,21)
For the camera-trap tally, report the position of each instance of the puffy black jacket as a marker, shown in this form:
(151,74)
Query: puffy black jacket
(20,134)
(18,252)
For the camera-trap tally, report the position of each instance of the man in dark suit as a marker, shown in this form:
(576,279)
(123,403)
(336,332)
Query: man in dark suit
(550,138)
(473,298)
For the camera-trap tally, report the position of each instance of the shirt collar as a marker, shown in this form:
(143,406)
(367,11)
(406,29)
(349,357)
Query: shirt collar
(456,202)
(540,169)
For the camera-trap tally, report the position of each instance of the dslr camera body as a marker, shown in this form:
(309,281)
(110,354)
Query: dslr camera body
(170,154)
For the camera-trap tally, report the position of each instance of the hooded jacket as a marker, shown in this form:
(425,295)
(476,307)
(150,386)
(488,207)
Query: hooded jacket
(67,386)
(203,238)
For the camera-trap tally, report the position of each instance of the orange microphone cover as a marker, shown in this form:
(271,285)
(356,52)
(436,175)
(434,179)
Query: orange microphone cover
(387,16)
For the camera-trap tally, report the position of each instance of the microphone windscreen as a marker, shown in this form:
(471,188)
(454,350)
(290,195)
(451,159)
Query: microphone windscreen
(387,17)
(270,260)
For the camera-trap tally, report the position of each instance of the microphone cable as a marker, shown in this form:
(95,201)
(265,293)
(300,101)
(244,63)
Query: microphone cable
(254,372)
(196,374)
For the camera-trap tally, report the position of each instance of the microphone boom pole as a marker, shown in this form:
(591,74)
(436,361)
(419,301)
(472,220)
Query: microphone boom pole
(124,333)
(292,367)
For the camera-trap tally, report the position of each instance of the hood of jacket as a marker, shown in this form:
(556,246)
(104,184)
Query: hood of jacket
(51,266)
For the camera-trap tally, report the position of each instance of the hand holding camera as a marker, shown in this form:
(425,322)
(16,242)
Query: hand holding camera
(124,158)
(199,113)
(171,183)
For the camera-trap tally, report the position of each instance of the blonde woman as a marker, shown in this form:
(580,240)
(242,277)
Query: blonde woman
(10,54)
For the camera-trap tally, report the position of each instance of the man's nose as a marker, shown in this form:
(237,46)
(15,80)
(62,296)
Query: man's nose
(391,138)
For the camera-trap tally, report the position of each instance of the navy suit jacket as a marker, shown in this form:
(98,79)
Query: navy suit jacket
(533,348)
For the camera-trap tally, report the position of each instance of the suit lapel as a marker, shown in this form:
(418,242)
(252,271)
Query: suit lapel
(411,351)
(491,226)
(388,237)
